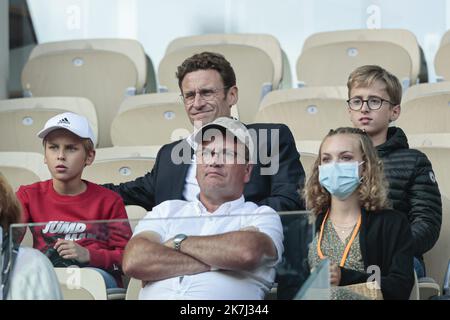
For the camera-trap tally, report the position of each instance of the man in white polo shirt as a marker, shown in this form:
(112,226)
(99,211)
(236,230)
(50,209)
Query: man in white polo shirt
(218,246)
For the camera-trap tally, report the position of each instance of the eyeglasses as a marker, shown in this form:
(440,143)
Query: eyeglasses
(373,103)
(205,94)
(223,156)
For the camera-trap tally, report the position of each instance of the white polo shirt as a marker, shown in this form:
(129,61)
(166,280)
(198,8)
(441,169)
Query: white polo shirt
(191,218)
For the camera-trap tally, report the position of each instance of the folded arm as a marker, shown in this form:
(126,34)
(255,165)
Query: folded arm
(145,258)
(237,250)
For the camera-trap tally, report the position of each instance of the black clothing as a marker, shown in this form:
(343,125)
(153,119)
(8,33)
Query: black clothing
(386,242)
(412,188)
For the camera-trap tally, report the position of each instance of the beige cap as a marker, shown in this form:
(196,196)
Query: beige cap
(237,128)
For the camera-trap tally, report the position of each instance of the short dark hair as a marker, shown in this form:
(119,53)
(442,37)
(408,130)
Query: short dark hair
(208,61)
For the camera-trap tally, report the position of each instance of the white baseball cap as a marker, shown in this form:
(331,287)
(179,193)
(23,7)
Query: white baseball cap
(235,127)
(75,123)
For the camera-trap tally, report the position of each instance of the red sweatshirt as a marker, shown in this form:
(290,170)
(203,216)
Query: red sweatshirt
(105,241)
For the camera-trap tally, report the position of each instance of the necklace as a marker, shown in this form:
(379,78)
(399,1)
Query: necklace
(349,244)
(341,228)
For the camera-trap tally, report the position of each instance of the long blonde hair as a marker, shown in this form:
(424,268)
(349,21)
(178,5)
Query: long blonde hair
(10,208)
(373,188)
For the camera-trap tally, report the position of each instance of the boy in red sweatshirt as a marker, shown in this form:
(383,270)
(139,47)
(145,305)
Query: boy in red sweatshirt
(66,202)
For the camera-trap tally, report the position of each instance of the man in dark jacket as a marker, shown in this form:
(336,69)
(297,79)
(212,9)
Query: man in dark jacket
(374,102)
(208,88)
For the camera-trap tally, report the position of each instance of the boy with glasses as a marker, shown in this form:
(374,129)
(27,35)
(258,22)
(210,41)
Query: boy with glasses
(374,102)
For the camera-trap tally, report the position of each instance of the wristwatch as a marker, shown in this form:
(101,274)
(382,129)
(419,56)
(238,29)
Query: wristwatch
(177,240)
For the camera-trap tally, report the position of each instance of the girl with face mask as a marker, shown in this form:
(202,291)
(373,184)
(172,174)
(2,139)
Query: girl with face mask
(364,239)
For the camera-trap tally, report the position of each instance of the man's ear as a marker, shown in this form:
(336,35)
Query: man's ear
(248,172)
(90,157)
(232,96)
(395,112)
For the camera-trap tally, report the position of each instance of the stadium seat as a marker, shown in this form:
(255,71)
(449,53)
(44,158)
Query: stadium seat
(21,119)
(446,290)
(441,61)
(150,119)
(135,213)
(309,112)
(445,38)
(121,164)
(128,47)
(286,80)
(327,58)
(21,168)
(256,58)
(103,71)
(307,160)
(81,284)
(134,287)
(437,258)
(308,146)
(85,284)
(265,42)
(27,240)
(151,86)
(425,115)
(415,294)
(428,288)
(424,288)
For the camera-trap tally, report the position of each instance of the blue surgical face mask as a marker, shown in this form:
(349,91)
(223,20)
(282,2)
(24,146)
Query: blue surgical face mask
(340,178)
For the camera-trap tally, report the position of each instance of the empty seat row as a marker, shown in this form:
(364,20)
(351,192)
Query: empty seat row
(106,71)
(160,118)
(21,119)
(425,115)
(256,59)
(111,165)
(441,61)
(312,111)
(327,58)
(151,119)
(103,71)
